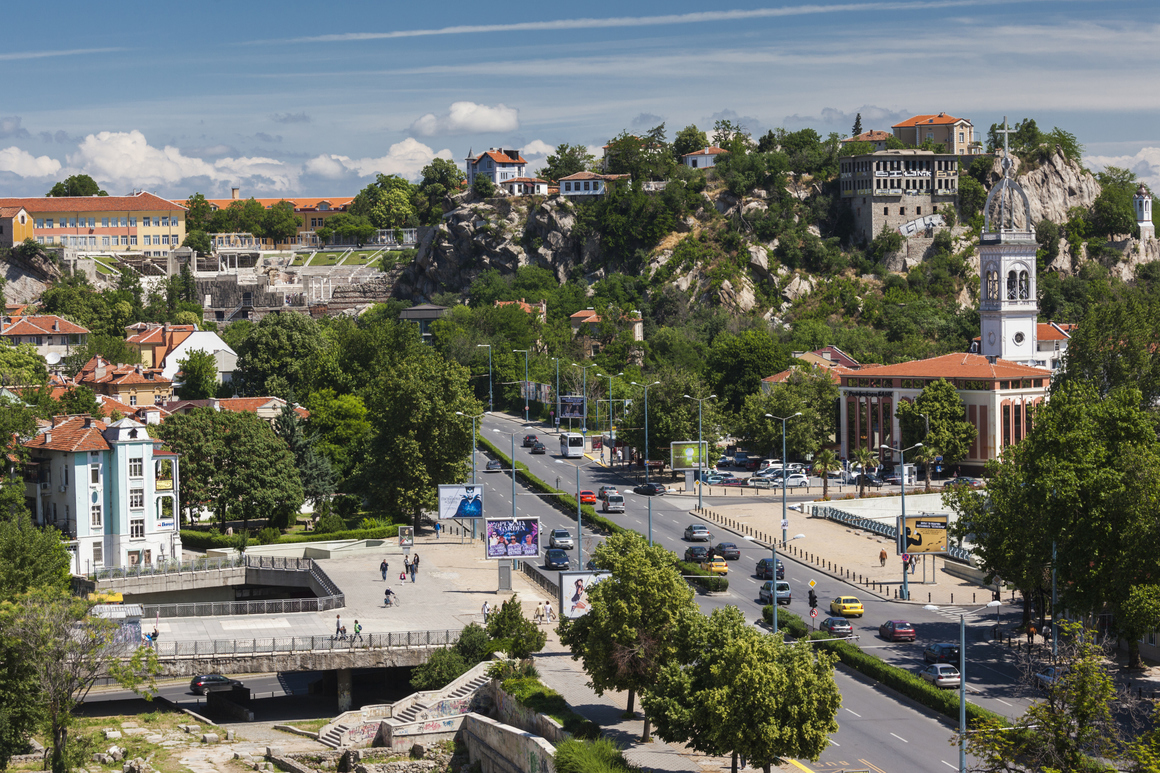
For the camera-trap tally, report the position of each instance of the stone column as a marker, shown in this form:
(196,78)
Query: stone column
(344,689)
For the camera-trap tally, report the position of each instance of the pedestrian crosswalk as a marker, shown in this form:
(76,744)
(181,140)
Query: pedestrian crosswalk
(952,613)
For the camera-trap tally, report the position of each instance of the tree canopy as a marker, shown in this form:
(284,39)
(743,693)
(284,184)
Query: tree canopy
(77,185)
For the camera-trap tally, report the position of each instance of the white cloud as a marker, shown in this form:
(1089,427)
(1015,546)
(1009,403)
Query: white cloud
(22,163)
(468,118)
(1145,163)
(406,159)
(536,153)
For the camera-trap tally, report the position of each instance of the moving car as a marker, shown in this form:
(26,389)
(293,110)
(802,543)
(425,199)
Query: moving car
(715,565)
(728,551)
(942,652)
(695,554)
(698,532)
(587,497)
(941,675)
(530,440)
(838,627)
(613,503)
(554,558)
(846,606)
(604,491)
(539,448)
(649,489)
(784,592)
(561,538)
(207,683)
(868,479)
(897,630)
(763,569)
(494,465)
(1047,678)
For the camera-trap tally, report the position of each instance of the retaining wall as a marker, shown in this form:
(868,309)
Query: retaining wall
(500,748)
(512,712)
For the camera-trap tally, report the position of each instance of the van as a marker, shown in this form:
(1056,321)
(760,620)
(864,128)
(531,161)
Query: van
(740,458)
(767,463)
(614,503)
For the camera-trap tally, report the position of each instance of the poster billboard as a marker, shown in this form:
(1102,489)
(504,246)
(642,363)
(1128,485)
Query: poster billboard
(460,500)
(572,406)
(685,455)
(512,537)
(574,587)
(406,537)
(926,533)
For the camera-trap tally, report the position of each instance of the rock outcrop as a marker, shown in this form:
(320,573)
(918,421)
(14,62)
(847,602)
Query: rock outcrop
(1052,188)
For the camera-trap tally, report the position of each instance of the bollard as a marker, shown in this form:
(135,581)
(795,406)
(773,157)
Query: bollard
(952,598)
(973,599)
(928,598)
(896,593)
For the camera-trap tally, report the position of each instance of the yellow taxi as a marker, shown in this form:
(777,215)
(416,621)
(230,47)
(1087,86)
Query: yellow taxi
(846,606)
(715,565)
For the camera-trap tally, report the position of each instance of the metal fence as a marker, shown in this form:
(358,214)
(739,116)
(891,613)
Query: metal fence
(179,650)
(255,607)
(529,569)
(171,567)
(879,527)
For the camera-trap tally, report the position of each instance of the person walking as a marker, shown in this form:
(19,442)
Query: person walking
(438,528)
(414,567)
(1030,637)
(538,617)
(882,557)
(486,612)
(548,614)
(357,632)
(383,567)
(337,625)
(406,565)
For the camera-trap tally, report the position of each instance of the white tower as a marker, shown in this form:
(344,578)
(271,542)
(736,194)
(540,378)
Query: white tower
(1008,306)
(1143,202)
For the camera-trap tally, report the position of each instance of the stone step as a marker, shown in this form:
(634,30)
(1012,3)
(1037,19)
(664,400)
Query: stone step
(333,736)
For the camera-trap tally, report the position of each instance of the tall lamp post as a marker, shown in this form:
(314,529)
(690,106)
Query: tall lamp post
(645,387)
(579,516)
(490,400)
(700,452)
(773,569)
(784,487)
(610,429)
(527,387)
(513,471)
(902,529)
(584,372)
(557,416)
(474,446)
(963,680)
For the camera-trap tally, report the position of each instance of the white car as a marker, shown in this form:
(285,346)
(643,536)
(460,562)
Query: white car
(795,480)
(561,538)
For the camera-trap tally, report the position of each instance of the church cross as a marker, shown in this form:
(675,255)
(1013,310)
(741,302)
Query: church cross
(1006,131)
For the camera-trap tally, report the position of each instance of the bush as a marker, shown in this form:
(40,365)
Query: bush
(707,581)
(482,187)
(346,506)
(474,644)
(535,695)
(786,621)
(597,756)
(330,523)
(441,669)
(513,633)
(513,669)
(268,536)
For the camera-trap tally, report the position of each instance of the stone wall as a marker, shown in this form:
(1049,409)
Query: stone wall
(500,748)
(511,712)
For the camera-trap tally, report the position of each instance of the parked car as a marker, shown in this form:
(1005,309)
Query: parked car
(613,503)
(846,606)
(735,482)
(554,558)
(1047,678)
(838,627)
(728,551)
(893,479)
(751,464)
(740,458)
(714,480)
(603,491)
(695,554)
(784,592)
(796,480)
(530,440)
(941,675)
(868,479)
(762,482)
(769,463)
(649,489)
(494,465)
(715,565)
(539,448)
(587,497)
(561,538)
(697,532)
(897,630)
(942,652)
(207,683)
(763,569)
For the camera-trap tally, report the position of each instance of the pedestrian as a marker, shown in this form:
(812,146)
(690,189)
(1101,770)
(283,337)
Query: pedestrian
(538,618)
(414,567)
(1030,637)
(548,615)
(913,564)
(337,625)
(486,612)
(357,631)
(407,564)
(882,556)
(438,528)
(383,569)
(155,637)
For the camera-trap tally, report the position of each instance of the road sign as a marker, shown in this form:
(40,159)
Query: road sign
(813,613)
(813,583)
(784,524)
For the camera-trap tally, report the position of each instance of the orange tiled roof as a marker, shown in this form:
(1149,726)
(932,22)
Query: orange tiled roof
(16,309)
(69,433)
(524,180)
(300,203)
(235,405)
(10,211)
(835,373)
(934,120)
(974,366)
(585,314)
(156,334)
(142,201)
(500,158)
(871,136)
(120,375)
(593,176)
(709,151)
(42,325)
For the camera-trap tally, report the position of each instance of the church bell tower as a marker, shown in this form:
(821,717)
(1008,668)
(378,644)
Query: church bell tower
(1008,305)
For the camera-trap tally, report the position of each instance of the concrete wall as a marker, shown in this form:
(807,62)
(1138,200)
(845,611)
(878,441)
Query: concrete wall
(322,660)
(190,596)
(500,748)
(887,509)
(511,712)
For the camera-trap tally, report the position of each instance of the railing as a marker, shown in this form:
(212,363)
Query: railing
(184,650)
(879,527)
(530,570)
(168,567)
(255,607)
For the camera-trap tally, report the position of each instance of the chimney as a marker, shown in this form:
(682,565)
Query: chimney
(88,422)
(235,193)
(215,404)
(48,437)
(56,324)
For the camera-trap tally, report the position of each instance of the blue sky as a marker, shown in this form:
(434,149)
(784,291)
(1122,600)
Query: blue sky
(301,98)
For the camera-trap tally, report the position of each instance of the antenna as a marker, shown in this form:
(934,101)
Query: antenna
(53,358)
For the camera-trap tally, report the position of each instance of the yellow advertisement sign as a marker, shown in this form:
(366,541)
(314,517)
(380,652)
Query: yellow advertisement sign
(925,534)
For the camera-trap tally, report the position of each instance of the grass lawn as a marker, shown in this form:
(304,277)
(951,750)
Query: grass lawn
(310,725)
(359,257)
(326,258)
(87,734)
(103,269)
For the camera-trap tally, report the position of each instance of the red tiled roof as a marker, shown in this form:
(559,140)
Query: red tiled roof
(155,334)
(713,150)
(524,305)
(10,211)
(871,136)
(585,314)
(235,405)
(835,373)
(42,325)
(936,120)
(120,375)
(500,158)
(300,203)
(142,201)
(974,366)
(593,176)
(69,433)
(524,180)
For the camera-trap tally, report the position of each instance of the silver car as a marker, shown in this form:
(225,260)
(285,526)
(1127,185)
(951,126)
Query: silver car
(698,532)
(561,538)
(614,503)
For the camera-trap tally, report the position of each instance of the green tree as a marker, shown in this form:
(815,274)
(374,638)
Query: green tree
(671,416)
(199,375)
(688,140)
(513,633)
(346,227)
(79,399)
(77,185)
(442,668)
(441,178)
(274,359)
(482,187)
(340,428)
(30,557)
(825,462)
(314,470)
(198,241)
(732,137)
(280,223)
(197,213)
(386,203)
(636,619)
(972,197)
(644,158)
(1139,616)
(808,390)
(737,364)
(865,459)
(950,433)
(567,160)
(885,244)
(112,347)
(735,691)
(857,126)
(21,365)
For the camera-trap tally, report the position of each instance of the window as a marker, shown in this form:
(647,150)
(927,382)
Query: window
(165,221)
(587,185)
(1024,286)
(136,528)
(124,222)
(104,222)
(104,241)
(1011,285)
(96,517)
(148,240)
(98,554)
(918,210)
(886,210)
(133,222)
(95,473)
(902,210)
(137,499)
(136,467)
(92,222)
(92,241)
(132,399)
(65,475)
(40,222)
(133,240)
(145,222)
(158,399)
(48,223)
(125,240)
(165,239)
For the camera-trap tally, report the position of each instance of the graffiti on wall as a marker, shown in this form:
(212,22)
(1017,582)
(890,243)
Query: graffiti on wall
(362,733)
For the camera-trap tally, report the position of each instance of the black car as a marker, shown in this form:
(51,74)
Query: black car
(728,551)
(555,558)
(868,480)
(207,683)
(530,440)
(494,465)
(649,489)
(695,554)
(943,652)
(539,448)
(763,569)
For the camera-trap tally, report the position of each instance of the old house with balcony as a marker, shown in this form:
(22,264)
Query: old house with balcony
(49,334)
(130,384)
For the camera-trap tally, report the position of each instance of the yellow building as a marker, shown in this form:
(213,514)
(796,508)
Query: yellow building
(15,226)
(132,385)
(312,213)
(141,223)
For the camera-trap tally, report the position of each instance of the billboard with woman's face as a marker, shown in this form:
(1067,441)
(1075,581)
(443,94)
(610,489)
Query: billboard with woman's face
(512,537)
(574,587)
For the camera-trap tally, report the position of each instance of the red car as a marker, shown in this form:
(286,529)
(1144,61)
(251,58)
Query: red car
(896,630)
(587,497)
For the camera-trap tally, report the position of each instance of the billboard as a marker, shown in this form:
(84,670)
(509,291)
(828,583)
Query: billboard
(460,500)
(926,533)
(685,455)
(512,537)
(574,587)
(406,537)
(572,406)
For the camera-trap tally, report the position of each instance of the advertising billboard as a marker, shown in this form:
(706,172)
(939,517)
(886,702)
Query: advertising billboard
(512,537)
(574,587)
(460,500)
(572,406)
(406,537)
(685,455)
(926,533)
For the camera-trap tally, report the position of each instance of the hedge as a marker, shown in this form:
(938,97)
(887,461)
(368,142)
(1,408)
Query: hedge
(786,621)
(535,695)
(711,582)
(205,540)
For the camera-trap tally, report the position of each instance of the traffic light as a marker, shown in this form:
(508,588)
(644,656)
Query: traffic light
(813,599)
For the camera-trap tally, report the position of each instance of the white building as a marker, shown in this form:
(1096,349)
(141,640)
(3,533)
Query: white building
(497,164)
(589,183)
(1143,202)
(207,341)
(525,186)
(703,158)
(50,334)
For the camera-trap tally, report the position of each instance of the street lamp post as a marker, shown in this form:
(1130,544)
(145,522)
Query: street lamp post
(474,446)
(645,387)
(527,387)
(490,399)
(557,416)
(584,372)
(700,452)
(902,529)
(784,487)
(513,471)
(579,516)
(773,569)
(610,428)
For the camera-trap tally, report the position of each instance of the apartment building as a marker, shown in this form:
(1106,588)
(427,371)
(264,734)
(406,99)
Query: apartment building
(141,223)
(957,135)
(497,164)
(898,189)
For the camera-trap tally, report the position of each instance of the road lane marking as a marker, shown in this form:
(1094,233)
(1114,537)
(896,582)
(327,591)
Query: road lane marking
(1005,703)
(800,766)
(835,743)
(872,767)
(953,767)
(859,716)
(900,738)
